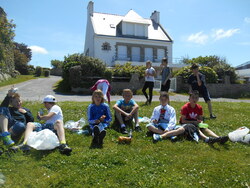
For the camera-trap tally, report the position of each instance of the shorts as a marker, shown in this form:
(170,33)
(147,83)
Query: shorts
(39,126)
(162,126)
(17,127)
(205,94)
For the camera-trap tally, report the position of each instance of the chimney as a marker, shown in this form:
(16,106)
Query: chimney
(155,16)
(90,8)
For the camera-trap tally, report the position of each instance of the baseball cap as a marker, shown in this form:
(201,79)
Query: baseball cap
(49,98)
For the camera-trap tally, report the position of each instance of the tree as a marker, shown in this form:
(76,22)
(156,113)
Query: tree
(22,56)
(6,43)
(23,48)
(218,64)
(56,63)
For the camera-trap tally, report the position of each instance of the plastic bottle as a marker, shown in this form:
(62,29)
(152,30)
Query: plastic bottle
(41,112)
(130,133)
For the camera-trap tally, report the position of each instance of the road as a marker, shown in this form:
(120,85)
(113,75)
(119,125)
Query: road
(37,89)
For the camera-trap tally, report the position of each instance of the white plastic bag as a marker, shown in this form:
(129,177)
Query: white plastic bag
(144,120)
(43,140)
(239,135)
(75,126)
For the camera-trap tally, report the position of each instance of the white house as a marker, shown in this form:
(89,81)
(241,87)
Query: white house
(117,39)
(243,71)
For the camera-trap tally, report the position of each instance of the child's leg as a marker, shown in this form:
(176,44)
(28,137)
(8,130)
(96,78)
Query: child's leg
(154,128)
(60,131)
(3,123)
(151,92)
(144,90)
(209,132)
(135,116)
(119,118)
(29,129)
(209,105)
(173,132)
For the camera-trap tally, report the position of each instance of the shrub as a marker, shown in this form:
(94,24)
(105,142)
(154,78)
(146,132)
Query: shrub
(47,73)
(211,76)
(127,70)
(86,69)
(38,71)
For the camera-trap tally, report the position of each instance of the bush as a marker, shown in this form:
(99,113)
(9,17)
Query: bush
(211,76)
(47,73)
(38,71)
(127,70)
(79,70)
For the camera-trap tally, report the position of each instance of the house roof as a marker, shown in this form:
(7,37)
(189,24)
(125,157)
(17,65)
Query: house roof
(105,24)
(243,66)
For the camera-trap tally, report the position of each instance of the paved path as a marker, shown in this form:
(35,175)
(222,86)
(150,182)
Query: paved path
(37,89)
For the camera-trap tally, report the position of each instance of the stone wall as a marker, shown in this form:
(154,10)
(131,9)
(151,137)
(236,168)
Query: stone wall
(134,84)
(225,89)
(56,72)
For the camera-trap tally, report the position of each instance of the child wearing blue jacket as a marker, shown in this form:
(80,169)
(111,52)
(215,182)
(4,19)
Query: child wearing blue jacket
(99,117)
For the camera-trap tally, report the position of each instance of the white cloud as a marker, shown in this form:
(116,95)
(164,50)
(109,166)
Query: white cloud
(198,38)
(38,50)
(220,33)
(247,20)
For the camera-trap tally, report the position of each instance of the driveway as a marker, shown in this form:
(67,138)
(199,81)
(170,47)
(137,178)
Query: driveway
(37,89)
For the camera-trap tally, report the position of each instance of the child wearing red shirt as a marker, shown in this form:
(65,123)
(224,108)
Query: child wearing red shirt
(192,113)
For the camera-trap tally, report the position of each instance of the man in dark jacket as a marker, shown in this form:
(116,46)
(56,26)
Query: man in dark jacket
(13,118)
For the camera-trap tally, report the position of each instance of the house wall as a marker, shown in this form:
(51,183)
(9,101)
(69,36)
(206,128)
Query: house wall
(108,56)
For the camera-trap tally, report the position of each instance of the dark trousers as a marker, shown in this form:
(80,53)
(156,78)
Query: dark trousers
(149,86)
(166,86)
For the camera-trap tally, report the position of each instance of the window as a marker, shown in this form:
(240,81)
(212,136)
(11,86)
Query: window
(106,46)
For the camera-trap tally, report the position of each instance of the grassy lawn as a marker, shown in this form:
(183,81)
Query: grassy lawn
(18,79)
(140,164)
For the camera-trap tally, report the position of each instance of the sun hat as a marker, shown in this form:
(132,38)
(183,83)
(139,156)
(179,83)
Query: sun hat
(49,98)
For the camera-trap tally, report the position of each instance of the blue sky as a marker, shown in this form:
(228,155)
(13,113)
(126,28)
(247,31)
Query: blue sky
(55,28)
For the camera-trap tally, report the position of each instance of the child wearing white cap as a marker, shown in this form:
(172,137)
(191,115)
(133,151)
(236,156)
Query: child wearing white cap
(54,122)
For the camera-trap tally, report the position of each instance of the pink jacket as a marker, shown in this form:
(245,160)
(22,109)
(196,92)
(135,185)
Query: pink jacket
(94,87)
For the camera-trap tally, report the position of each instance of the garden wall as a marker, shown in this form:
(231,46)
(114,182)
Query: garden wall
(117,85)
(225,89)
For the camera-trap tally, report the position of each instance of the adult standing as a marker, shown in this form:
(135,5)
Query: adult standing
(149,82)
(197,81)
(166,74)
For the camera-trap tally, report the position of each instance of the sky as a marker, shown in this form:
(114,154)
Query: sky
(56,28)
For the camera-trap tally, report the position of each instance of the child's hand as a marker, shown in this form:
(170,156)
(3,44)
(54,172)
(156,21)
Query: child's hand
(102,118)
(22,110)
(155,121)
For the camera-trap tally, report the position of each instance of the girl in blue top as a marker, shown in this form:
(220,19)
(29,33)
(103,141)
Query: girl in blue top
(99,117)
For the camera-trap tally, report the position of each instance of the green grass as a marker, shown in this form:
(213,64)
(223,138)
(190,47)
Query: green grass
(18,79)
(140,164)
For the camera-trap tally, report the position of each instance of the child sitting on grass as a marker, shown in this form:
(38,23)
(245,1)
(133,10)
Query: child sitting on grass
(99,117)
(191,113)
(54,122)
(163,120)
(126,110)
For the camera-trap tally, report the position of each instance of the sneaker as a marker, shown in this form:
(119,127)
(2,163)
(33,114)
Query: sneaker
(7,139)
(124,130)
(212,116)
(24,147)
(138,129)
(64,149)
(102,136)
(96,132)
(149,133)
(157,137)
(223,139)
(212,140)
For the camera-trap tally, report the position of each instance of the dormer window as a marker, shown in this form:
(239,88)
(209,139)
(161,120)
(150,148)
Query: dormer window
(106,46)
